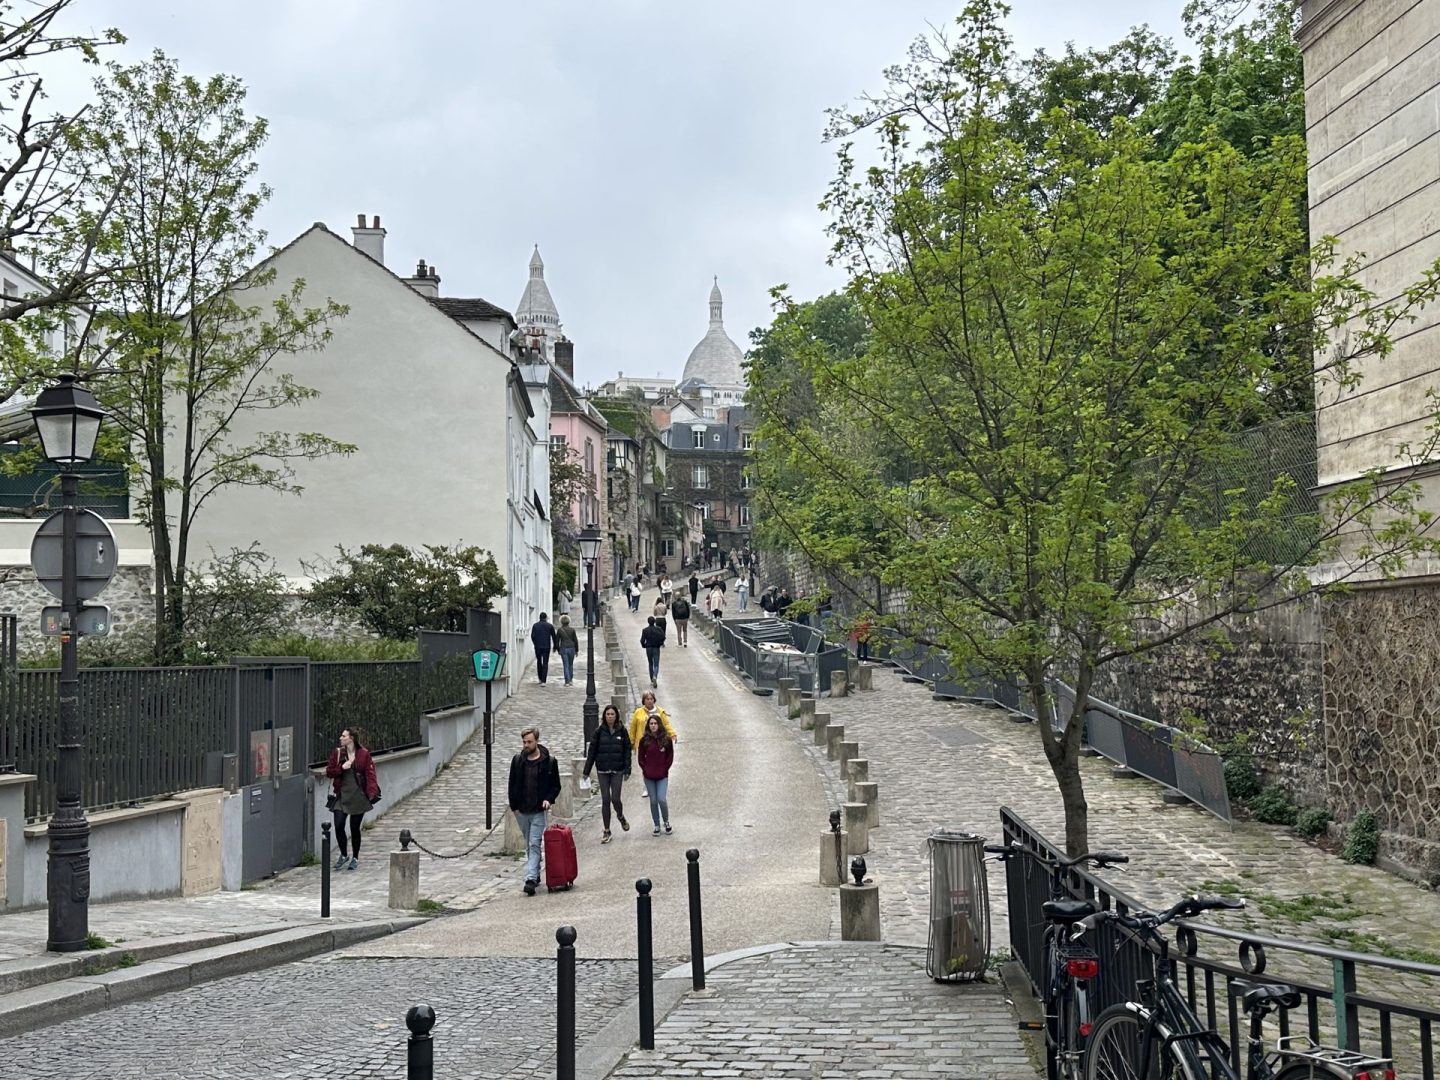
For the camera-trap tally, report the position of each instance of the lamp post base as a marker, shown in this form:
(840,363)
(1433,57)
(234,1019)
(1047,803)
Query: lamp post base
(68,881)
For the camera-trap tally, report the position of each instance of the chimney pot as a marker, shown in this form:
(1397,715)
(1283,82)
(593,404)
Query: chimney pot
(420,268)
(359,221)
(375,222)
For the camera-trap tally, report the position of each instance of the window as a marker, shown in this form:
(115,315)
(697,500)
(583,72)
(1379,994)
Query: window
(744,513)
(700,476)
(557,444)
(747,440)
(745,479)
(590,456)
(667,549)
(709,413)
(697,439)
(715,437)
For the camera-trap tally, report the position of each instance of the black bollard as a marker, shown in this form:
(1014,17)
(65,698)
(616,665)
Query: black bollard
(647,964)
(420,1051)
(697,934)
(565,1004)
(325,870)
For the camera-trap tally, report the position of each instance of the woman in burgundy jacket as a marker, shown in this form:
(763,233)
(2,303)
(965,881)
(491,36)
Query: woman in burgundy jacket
(356,789)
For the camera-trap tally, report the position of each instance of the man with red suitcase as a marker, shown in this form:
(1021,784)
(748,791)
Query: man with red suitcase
(534,785)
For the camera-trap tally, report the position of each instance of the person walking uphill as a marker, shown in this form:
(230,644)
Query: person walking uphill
(652,640)
(355,792)
(567,644)
(680,612)
(694,588)
(609,755)
(534,786)
(542,637)
(656,755)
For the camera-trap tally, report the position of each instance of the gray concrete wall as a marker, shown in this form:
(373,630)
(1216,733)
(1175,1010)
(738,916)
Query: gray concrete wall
(133,854)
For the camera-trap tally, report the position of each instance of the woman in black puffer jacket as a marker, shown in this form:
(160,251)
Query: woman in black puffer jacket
(609,755)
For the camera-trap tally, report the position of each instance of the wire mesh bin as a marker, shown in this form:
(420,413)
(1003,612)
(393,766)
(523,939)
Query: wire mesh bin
(959,941)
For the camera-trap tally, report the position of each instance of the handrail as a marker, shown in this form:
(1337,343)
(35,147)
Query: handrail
(1414,967)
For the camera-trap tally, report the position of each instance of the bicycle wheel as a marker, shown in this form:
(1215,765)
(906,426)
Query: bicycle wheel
(1305,1069)
(1113,1052)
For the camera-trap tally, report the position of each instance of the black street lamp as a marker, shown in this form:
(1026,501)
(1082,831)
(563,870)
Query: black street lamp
(68,417)
(590,553)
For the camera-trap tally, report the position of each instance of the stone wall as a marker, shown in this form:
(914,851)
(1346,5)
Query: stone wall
(1382,710)
(130,597)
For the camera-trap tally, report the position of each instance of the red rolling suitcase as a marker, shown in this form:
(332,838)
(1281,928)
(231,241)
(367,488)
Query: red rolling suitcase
(561,866)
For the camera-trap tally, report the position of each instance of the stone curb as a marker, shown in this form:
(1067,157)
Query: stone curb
(40,1006)
(684,971)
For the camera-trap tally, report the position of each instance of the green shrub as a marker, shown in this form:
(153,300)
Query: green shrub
(1273,806)
(1362,839)
(1311,821)
(1241,779)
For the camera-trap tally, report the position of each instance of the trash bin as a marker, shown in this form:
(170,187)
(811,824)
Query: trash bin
(959,942)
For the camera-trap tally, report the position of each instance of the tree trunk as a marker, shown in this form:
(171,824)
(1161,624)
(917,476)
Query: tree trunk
(1062,750)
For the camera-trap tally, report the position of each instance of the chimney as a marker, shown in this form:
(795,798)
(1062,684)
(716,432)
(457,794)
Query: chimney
(426,280)
(369,240)
(565,357)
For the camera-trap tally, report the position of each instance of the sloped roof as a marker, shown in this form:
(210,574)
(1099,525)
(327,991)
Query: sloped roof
(472,308)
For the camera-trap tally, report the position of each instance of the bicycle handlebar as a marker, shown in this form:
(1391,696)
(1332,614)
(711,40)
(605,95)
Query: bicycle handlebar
(1099,859)
(1189,907)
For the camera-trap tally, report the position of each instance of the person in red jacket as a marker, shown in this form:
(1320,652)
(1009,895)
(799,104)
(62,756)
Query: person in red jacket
(353,771)
(656,755)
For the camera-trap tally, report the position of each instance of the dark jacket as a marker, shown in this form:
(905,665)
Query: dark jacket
(549,780)
(652,637)
(680,609)
(694,587)
(656,756)
(542,635)
(364,769)
(609,750)
(566,638)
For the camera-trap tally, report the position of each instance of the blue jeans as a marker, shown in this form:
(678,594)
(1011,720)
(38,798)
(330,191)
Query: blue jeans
(744,600)
(532,827)
(567,661)
(659,791)
(653,655)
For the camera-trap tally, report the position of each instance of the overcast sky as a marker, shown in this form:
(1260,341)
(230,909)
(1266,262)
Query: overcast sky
(645,145)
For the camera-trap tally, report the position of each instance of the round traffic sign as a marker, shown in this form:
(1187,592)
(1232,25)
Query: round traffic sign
(96,555)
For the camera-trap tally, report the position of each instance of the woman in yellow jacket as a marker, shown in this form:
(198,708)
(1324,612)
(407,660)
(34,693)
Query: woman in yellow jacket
(637,720)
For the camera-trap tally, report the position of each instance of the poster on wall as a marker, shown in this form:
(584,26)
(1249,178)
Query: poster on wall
(284,751)
(260,754)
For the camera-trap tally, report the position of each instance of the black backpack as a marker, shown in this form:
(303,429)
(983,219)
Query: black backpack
(680,609)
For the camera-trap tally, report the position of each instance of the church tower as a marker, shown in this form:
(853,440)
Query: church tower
(535,315)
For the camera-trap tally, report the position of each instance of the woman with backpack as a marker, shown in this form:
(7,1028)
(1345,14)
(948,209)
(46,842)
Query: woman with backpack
(356,790)
(657,754)
(609,755)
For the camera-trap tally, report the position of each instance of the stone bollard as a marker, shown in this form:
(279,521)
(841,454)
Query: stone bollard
(830,866)
(849,751)
(838,683)
(868,792)
(617,669)
(852,669)
(622,687)
(577,771)
(405,880)
(834,735)
(513,842)
(860,912)
(822,722)
(857,828)
(564,806)
(857,769)
(807,714)
(867,679)
(621,703)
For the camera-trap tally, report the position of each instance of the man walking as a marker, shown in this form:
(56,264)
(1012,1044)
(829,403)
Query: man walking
(652,640)
(680,612)
(534,785)
(694,588)
(542,637)
(590,605)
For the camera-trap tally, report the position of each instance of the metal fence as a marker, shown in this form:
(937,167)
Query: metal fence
(808,661)
(1348,998)
(385,699)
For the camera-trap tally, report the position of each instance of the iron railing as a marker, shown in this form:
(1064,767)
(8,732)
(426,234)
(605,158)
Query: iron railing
(1348,998)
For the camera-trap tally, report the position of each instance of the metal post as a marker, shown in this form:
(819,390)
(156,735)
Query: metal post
(68,883)
(591,714)
(565,1004)
(839,845)
(697,933)
(325,870)
(489,741)
(420,1051)
(647,964)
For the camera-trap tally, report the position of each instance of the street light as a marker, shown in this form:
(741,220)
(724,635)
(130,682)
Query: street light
(68,417)
(589,540)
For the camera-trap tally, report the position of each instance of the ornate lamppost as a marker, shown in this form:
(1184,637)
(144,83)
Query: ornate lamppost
(68,417)
(590,553)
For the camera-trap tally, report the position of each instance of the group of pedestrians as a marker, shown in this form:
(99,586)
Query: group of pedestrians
(545,636)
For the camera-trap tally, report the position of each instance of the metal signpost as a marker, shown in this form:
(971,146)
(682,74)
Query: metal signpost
(489,666)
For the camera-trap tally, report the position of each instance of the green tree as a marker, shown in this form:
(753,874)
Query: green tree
(201,336)
(394,591)
(1063,341)
(568,481)
(232,600)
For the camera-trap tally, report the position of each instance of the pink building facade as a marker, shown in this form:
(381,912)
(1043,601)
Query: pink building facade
(577,427)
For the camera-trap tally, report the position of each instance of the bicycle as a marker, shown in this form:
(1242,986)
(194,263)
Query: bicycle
(1159,1037)
(1069,965)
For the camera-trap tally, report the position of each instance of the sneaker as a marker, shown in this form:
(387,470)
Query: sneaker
(354,862)
(667,827)
(644,794)
(606,838)
(655,831)
(530,887)
(341,861)
(625,824)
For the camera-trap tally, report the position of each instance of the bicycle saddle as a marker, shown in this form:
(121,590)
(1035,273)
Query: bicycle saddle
(1265,995)
(1067,911)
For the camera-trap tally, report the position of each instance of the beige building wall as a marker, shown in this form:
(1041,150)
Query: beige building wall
(1372,100)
